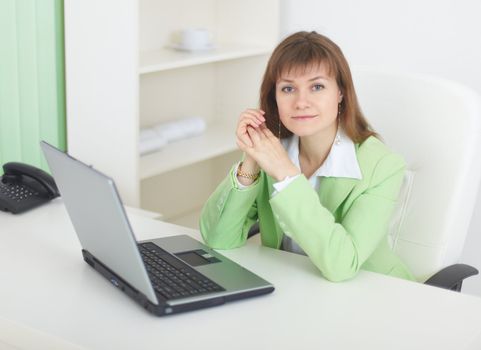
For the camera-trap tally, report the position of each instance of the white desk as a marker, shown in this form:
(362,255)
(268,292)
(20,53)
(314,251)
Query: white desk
(47,288)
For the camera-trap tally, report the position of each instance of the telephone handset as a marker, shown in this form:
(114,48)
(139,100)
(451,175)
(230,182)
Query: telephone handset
(23,187)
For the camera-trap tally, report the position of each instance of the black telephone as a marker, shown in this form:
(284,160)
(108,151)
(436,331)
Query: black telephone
(23,187)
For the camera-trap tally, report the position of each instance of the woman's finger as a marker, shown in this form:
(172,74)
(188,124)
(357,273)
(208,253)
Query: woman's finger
(246,139)
(249,119)
(267,132)
(242,135)
(252,118)
(258,114)
(254,135)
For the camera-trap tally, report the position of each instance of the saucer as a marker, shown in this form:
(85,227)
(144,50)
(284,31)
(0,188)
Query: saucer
(181,47)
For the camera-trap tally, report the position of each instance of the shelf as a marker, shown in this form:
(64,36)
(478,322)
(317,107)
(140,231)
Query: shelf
(164,59)
(218,139)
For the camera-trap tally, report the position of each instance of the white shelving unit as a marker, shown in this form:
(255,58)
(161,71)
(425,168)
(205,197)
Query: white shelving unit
(122,76)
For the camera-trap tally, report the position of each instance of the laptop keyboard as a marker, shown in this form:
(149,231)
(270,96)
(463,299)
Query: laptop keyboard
(172,278)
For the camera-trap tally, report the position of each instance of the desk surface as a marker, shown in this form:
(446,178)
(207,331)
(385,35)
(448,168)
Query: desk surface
(48,288)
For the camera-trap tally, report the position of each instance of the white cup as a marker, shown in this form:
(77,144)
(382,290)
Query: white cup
(195,38)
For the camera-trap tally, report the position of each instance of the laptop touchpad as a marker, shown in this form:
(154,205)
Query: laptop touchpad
(197,257)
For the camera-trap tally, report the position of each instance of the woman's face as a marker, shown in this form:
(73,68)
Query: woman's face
(307,100)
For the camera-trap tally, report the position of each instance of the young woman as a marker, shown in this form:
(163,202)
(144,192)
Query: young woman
(314,174)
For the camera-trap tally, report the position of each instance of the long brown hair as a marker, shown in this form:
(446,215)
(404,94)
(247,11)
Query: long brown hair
(303,50)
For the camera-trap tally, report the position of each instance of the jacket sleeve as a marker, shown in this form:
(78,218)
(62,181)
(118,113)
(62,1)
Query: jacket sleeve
(229,213)
(340,249)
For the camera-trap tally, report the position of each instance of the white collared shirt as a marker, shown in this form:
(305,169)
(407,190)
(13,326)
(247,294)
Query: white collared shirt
(340,162)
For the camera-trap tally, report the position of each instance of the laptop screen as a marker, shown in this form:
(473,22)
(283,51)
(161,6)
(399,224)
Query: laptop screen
(99,218)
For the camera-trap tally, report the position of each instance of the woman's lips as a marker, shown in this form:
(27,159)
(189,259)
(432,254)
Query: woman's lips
(304,117)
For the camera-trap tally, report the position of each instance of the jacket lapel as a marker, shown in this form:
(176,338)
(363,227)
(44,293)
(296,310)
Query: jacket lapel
(334,190)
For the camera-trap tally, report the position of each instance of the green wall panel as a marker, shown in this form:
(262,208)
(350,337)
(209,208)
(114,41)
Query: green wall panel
(32,88)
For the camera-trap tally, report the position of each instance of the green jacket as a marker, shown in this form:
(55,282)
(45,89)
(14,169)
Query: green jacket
(342,229)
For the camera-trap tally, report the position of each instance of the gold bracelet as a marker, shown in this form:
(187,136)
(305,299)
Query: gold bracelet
(246,175)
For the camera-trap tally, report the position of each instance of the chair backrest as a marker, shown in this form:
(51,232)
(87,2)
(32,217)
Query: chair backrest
(436,125)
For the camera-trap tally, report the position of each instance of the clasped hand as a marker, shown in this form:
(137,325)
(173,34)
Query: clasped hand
(259,143)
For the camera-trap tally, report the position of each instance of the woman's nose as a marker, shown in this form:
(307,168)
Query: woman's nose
(302,100)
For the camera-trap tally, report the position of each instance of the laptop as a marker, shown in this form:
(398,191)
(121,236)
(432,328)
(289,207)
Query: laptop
(165,275)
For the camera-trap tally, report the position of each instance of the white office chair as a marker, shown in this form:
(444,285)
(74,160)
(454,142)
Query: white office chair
(436,125)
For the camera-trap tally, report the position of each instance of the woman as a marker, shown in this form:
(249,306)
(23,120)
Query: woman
(314,173)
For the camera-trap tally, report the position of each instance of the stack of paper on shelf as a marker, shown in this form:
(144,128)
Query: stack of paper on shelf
(154,138)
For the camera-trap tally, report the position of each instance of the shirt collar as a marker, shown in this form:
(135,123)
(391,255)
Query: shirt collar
(340,162)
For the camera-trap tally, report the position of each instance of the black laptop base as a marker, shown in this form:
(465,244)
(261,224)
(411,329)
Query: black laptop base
(163,309)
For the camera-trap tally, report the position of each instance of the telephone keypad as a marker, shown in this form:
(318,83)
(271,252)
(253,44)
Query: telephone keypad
(16,192)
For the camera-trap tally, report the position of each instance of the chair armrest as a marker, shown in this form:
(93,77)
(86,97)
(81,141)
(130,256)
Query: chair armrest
(253,230)
(452,277)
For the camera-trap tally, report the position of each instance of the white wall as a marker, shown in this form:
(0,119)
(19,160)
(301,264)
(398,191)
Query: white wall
(439,37)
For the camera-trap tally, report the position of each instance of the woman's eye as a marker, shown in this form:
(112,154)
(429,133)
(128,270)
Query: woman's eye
(318,87)
(287,89)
